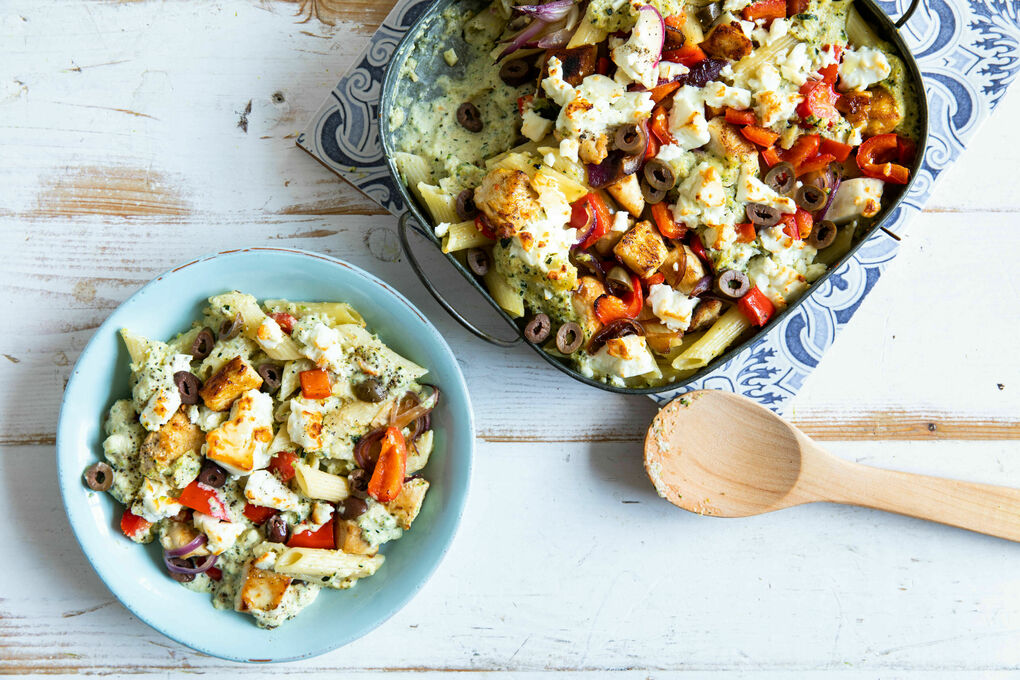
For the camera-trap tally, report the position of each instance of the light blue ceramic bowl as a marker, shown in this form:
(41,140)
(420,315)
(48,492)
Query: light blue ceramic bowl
(134,573)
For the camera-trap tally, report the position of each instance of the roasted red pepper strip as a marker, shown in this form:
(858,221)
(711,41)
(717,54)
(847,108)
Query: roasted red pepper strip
(873,159)
(652,150)
(795,7)
(830,73)
(837,149)
(663,217)
(660,92)
(819,162)
(654,280)
(745,232)
(483,226)
(745,117)
(315,384)
(257,513)
(906,149)
(759,135)
(601,67)
(770,156)
(609,308)
(285,321)
(756,307)
(765,9)
(388,477)
(660,125)
(699,248)
(215,573)
(131,525)
(579,218)
(790,226)
(804,148)
(204,499)
(688,55)
(819,100)
(320,538)
(522,103)
(282,464)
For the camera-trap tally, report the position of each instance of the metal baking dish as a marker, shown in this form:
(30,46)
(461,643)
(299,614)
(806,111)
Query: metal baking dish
(421,37)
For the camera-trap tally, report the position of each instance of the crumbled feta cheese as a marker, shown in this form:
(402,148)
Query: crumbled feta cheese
(304,424)
(858,197)
(621,222)
(269,335)
(750,189)
(534,126)
(795,64)
(637,56)
(687,121)
(155,502)
(668,70)
(862,67)
(625,358)
(595,106)
(672,307)
(442,229)
(718,95)
(778,29)
(451,57)
(321,512)
(265,489)
(166,398)
(702,199)
(221,535)
(241,444)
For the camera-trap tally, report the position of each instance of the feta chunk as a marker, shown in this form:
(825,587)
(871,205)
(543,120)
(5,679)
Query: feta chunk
(269,334)
(534,126)
(638,56)
(719,95)
(672,307)
(165,398)
(241,445)
(863,67)
(265,489)
(750,189)
(569,148)
(304,424)
(668,70)
(321,344)
(858,197)
(702,199)
(155,502)
(222,535)
(624,358)
(687,121)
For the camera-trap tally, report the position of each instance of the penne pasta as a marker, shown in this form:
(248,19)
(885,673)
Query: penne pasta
(337,312)
(716,339)
(320,565)
(464,235)
(413,169)
(320,485)
(587,32)
(440,205)
(505,296)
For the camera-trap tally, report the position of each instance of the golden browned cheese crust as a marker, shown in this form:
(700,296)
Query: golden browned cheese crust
(883,114)
(588,290)
(727,41)
(508,200)
(236,377)
(161,448)
(262,590)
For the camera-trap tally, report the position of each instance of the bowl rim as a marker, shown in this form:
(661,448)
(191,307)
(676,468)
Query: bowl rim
(887,30)
(69,483)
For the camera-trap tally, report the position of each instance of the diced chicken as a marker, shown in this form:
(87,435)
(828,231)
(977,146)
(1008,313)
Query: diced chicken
(592,149)
(642,249)
(855,107)
(727,41)
(236,377)
(884,113)
(588,290)
(261,590)
(858,197)
(705,315)
(160,449)
(727,142)
(627,192)
(578,63)
(508,200)
(406,506)
(661,338)
(350,539)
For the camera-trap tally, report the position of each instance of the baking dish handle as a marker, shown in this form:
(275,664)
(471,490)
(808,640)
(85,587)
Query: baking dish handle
(416,266)
(905,17)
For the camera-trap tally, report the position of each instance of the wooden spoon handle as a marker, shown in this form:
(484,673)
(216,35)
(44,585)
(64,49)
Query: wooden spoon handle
(987,509)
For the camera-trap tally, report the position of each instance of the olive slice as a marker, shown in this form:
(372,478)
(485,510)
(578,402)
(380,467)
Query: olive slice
(478,261)
(188,386)
(652,196)
(98,476)
(630,138)
(811,198)
(538,328)
(781,178)
(569,338)
(708,14)
(357,482)
(659,174)
(465,207)
(351,507)
(272,376)
(515,72)
(230,329)
(212,475)
(276,529)
(469,117)
(369,390)
(732,284)
(762,215)
(203,344)
(823,234)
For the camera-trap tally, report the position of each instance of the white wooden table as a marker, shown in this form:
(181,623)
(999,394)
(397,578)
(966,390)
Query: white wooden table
(137,135)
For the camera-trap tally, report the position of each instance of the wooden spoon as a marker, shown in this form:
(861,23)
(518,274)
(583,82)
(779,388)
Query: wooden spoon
(719,454)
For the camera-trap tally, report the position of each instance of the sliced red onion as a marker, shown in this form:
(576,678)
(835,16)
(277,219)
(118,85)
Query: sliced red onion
(401,418)
(363,455)
(703,284)
(550,11)
(197,543)
(519,40)
(655,28)
(604,173)
(832,194)
(554,40)
(702,73)
(200,569)
(616,329)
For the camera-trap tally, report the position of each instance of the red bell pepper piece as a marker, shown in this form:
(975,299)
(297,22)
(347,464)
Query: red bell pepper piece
(798,225)
(789,226)
(483,226)
(744,117)
(765,9)
(830,73)
(804,148)
(204,499)
(601,66)
(257,513)
(609,308)
(215,573)
(819,100)
(320,538)
(132,526)
(285,321)
(660,125)
(522,103)
(756,307)
(838,150)
(906,149)
(388,477)
(652,150)
(770,156)
(819,162)
(745,232)
(660,92)
(282,465)
(664,221)
(654,280)
(759,135)
(579,215)
(873,159)
(688,55)
(795,7)
(315,384)
(698,247)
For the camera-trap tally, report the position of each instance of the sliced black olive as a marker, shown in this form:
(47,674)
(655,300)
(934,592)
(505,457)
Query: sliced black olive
(276,529)
(469,117)
(230,329)
(478,261)
(212,474)
(732,284)
(184,564)
(188,386)
(357,483)
(630,138)
(659,174)
(351,507)
(466,208)
(652,196)
(762,215)
(708,14)
(823,234)
(538,328)
(203,345)
(272,375)
(781,178)
(99,476)
(569,338)
(515,72)
(370,390)
(811,198)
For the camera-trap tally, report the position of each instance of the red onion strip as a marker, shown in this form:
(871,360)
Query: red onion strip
(523,37)
(200,569)
(832,194)
(662,29)
(197,543)
(550,11)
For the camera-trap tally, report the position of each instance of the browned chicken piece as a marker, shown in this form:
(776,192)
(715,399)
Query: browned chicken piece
(705,314)
(261,590)
(727,41)
(642,249)
(660,338)
(591,149)
(350,539)
(677,263)
(508,200)
(236,377)
(727,142)
(627,192)
(578,63)
(854,106)
(588,290)
(884,113)
(406,506)
(161,448)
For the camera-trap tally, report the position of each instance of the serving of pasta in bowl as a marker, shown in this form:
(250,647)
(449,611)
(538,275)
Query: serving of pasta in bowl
(642,188)
(289,438)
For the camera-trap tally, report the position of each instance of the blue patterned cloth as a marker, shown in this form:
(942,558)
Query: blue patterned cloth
(968,52)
